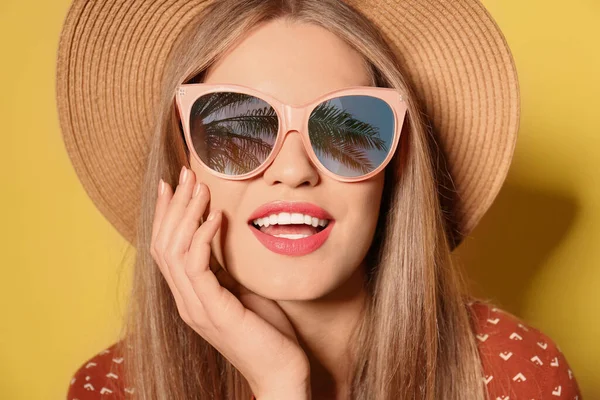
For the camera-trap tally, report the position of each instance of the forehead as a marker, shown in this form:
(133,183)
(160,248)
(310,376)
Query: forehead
(292,61)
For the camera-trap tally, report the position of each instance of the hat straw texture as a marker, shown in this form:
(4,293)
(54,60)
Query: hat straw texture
(112,54)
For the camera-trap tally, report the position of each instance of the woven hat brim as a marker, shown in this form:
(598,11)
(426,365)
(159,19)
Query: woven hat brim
(456,57)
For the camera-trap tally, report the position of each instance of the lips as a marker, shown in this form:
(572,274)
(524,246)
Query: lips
(294,247)
(268,235)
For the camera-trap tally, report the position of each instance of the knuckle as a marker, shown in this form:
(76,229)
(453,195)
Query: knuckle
(154,252)
(192,270)
(185,317)
(200,322)
(159,247)
(219,325)
(170,256)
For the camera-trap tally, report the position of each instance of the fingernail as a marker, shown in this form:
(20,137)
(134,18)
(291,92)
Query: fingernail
(183,175)
(212,215)
(161,187)
(196,190)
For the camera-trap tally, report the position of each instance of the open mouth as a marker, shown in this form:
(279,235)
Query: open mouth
(290,225)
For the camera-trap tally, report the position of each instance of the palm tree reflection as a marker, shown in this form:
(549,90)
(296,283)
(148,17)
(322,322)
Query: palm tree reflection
(233,133)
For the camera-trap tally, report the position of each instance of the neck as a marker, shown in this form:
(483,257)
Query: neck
(323,327)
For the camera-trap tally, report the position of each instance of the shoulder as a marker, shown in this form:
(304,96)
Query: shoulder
(100,376)
(519,361)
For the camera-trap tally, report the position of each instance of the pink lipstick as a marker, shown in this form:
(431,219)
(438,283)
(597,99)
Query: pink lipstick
(292,247)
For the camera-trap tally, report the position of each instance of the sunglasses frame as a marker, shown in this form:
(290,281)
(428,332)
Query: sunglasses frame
(290,119)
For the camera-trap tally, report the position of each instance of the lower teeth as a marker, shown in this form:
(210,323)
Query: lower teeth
(291,236)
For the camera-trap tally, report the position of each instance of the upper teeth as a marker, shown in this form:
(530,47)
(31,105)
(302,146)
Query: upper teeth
(287,219)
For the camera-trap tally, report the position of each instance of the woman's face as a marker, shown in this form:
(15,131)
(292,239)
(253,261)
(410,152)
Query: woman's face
(294,63)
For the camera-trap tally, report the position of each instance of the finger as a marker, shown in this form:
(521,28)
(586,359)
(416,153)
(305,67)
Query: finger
(162,203)
(190,221)
(160,208)
(175,210)
(177,270)
(180,243)
(220,305)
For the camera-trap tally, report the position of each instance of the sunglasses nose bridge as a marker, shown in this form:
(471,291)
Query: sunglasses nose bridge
(293,119)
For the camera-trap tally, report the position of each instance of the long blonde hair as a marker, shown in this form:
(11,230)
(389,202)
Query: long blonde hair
(416,340)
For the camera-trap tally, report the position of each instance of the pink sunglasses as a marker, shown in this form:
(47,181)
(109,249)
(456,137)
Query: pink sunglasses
(235,132)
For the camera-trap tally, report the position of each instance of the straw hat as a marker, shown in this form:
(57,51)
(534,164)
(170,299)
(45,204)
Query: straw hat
(457,60)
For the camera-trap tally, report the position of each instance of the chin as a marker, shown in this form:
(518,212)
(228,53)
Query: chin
(297,285)
(279,277)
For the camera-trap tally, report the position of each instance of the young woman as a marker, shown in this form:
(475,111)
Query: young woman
(317,161)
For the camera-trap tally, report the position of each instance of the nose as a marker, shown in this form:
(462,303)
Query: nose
(292,165)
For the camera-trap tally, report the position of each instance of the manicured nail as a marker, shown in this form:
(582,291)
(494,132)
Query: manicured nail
(196,190)
(212,215)
(161,187)
(183,175)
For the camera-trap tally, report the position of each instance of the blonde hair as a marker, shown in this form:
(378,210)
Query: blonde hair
(417,336)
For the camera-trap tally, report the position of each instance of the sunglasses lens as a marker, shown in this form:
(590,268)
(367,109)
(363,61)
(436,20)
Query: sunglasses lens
(233,133)
(352,135)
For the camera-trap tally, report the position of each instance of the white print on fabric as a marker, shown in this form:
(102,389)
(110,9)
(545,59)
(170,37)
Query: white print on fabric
(518,360)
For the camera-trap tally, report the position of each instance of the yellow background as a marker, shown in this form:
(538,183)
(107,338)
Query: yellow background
(536,252)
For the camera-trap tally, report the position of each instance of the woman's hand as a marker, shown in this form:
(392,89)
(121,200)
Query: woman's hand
(255,336)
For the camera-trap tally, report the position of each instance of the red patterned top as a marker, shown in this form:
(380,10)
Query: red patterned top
(519,362)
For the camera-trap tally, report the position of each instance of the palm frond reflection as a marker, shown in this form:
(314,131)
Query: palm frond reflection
(234,133)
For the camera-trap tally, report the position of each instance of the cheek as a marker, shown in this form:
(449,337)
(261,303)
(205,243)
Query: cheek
(363,211)
(222,196)
(365,200)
